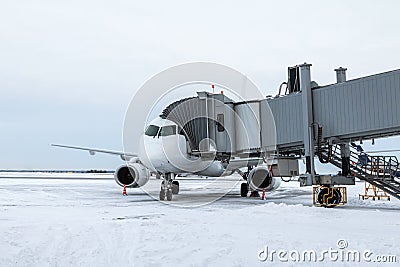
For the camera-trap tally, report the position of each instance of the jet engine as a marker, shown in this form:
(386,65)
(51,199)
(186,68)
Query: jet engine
(260,178)
(132,175)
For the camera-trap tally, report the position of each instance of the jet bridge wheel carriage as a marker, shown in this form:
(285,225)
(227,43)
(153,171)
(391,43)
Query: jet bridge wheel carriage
(329,197)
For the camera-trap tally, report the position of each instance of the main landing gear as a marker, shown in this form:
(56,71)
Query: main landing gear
(169,187)
(244,190)
(244,187)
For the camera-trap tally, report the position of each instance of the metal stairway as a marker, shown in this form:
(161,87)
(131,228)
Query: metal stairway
(379,171)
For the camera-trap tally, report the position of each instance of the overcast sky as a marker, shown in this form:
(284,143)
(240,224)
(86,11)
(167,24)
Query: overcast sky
(68,69)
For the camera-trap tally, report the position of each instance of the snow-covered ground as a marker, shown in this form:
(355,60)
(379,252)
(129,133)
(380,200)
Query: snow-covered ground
(87,222)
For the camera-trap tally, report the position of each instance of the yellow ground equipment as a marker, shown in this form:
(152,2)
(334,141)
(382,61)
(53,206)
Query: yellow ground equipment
(373,192)
(329,197)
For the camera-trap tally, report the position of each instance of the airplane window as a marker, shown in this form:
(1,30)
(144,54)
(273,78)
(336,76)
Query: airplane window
(152,130)
(220,122)
(168,130)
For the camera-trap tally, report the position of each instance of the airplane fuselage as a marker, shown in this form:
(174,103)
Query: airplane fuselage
(164,149)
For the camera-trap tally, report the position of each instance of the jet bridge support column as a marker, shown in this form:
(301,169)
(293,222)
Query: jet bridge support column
(308,120)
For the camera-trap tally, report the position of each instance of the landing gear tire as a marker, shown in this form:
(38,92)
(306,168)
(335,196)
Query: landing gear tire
(244,189)
(168,186)
(175,187)
(169,195)
(162,194)
(329,197)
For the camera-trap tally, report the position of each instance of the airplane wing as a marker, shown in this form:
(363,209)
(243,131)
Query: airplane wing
(244,162)
(93,151)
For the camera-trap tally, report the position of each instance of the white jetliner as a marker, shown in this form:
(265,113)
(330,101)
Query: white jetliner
(164,150)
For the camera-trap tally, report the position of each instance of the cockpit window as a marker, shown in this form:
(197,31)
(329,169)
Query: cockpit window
(168,130)
(152,130)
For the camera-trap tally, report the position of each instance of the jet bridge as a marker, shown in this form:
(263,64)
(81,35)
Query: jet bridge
(308,120)
(319,117)
(362,108)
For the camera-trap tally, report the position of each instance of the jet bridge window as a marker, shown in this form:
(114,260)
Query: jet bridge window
(220,122)
(168,130)
(152,130)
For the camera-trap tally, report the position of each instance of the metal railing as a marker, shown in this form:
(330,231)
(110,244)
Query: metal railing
(384,167)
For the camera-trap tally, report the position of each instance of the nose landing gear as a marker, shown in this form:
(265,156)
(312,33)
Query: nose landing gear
(169,187)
